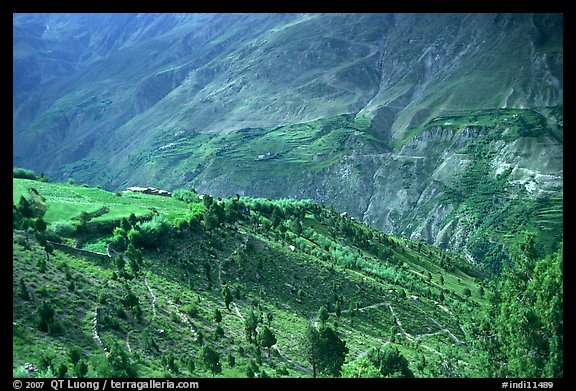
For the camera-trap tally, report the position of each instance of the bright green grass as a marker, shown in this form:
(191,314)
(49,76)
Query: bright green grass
(66,202)
(97,245)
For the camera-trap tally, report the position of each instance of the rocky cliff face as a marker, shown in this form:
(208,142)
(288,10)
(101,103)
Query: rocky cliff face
(462,182)
(378,114)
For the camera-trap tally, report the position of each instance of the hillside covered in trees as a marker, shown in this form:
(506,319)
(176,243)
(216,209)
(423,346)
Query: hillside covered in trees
(137,285)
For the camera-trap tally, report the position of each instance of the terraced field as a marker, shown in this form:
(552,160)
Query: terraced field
(67,201)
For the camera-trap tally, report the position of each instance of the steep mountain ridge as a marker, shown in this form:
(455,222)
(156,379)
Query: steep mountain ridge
(248,103)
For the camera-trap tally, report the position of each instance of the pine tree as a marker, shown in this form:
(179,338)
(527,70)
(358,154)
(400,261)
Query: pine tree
(191,365)
(323,314)
(231,360)
(210,359)
(217,316)
(267,339)
(81,369)
(75,354)
(132,219)
(169,362)
(39,225)
(119,262)
(250,324)
(25,208)
(227,297)
(23,290)
(312,348)
(48,249)
(333,351)
(134,256)
(297,227)
(390,362)
(522,331)
(125,224)
(46,316)
(325,351)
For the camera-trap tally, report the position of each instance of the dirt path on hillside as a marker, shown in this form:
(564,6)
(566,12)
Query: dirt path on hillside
(128,341)
(406,334)
(153,297)
(409,336)
(292,363)
(445,330)
(362,309)
(95,335)
(238,312)
(183,317)
(240,246)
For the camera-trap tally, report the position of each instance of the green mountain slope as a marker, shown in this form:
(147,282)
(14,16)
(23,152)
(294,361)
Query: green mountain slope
(282,262)
(405,121)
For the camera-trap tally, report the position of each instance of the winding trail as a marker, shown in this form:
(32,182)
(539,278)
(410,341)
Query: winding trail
(445,330)
(128,341)
(363,309)
(292,363)
(183,317)
(407,335)
(404,332)
(95,335)
(444,308)
(153,298)
(237,312)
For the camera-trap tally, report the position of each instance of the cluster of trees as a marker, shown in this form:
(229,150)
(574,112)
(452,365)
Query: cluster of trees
(28,174)
(148,234)
(28,216)
(324,350)
(360,235)
(387,362)
(29,212)
(521,334)
(264,337)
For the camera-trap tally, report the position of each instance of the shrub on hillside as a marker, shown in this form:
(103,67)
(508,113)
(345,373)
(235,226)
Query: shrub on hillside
(186,196)
(64,229)
(46,316)
(153,233)
(23,173)
(390,362)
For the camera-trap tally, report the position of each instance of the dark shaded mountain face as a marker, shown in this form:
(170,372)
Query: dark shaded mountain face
(440,127)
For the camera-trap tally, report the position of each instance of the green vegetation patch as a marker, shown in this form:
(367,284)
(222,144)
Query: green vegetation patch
(508,124)
(67,202)
(235,289)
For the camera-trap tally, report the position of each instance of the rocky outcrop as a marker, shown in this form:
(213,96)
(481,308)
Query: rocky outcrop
(412,190)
